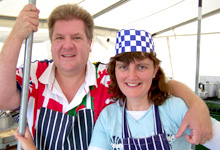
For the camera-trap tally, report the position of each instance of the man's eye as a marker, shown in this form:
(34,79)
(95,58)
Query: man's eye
(59,38)
(77,38)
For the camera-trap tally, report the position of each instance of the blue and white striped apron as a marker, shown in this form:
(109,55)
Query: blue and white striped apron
(156,142)
(59,131)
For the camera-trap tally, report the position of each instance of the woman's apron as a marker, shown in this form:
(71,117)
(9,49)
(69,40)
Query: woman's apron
(156,142)
(59,131)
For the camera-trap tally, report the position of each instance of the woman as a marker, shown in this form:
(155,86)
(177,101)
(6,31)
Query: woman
(138,86)
(145,116)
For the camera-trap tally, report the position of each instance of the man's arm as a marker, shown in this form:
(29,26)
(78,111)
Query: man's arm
(200,125)
(26,22)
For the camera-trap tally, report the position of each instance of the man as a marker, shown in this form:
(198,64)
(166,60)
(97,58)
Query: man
(66,94)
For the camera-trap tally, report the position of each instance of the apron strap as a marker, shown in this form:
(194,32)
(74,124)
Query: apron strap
(126,133)
(125,128)
(157,141)
(157,122)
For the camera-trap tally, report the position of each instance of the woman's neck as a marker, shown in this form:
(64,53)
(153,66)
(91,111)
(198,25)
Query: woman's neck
(138,105)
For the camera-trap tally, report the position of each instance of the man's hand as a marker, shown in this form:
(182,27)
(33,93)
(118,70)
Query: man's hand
(198,120)
(26,22)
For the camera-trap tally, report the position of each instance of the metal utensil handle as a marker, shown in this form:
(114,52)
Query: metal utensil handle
(25,83)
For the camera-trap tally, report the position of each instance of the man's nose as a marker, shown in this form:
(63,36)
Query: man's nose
(67,43)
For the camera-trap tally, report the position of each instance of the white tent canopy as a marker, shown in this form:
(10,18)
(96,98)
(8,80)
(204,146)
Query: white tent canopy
(172,22)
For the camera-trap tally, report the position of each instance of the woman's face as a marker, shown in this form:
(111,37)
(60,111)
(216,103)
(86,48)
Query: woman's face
(135,79)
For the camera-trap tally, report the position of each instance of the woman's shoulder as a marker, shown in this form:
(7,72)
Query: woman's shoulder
(174,101)
(111,107)
(111,110)
(174,108)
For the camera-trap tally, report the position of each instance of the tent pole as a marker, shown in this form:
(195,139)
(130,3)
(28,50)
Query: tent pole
(198,46)
(198,51)
(25,84)
(170,57)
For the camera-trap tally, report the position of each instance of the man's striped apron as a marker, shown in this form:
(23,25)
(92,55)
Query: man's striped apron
(156,142)
(59,131)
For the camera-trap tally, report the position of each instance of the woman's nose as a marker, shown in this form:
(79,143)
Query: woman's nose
(132,73)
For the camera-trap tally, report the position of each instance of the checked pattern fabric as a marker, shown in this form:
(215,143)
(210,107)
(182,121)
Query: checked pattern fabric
(133,41)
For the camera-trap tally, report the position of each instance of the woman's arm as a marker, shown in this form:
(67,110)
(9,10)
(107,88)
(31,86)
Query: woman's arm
(99,139)
(200,124)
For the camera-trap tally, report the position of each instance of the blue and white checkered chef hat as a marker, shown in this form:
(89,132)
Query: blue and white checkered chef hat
(131,40)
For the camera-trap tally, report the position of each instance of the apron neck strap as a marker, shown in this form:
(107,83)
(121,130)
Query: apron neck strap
(125,128)
(157,122)
(126,133)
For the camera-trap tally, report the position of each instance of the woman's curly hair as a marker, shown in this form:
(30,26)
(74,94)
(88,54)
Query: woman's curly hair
(158,92)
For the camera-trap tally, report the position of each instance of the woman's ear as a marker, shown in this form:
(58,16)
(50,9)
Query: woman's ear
(155,70)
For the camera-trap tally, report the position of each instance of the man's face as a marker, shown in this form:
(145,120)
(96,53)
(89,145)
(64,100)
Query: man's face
(70,46)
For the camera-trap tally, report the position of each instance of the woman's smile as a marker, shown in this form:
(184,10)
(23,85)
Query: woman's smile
(135,79)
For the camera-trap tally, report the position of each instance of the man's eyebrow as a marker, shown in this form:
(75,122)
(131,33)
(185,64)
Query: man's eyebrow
(58,34)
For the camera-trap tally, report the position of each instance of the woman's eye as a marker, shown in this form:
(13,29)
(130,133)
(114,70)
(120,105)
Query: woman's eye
(122,67)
